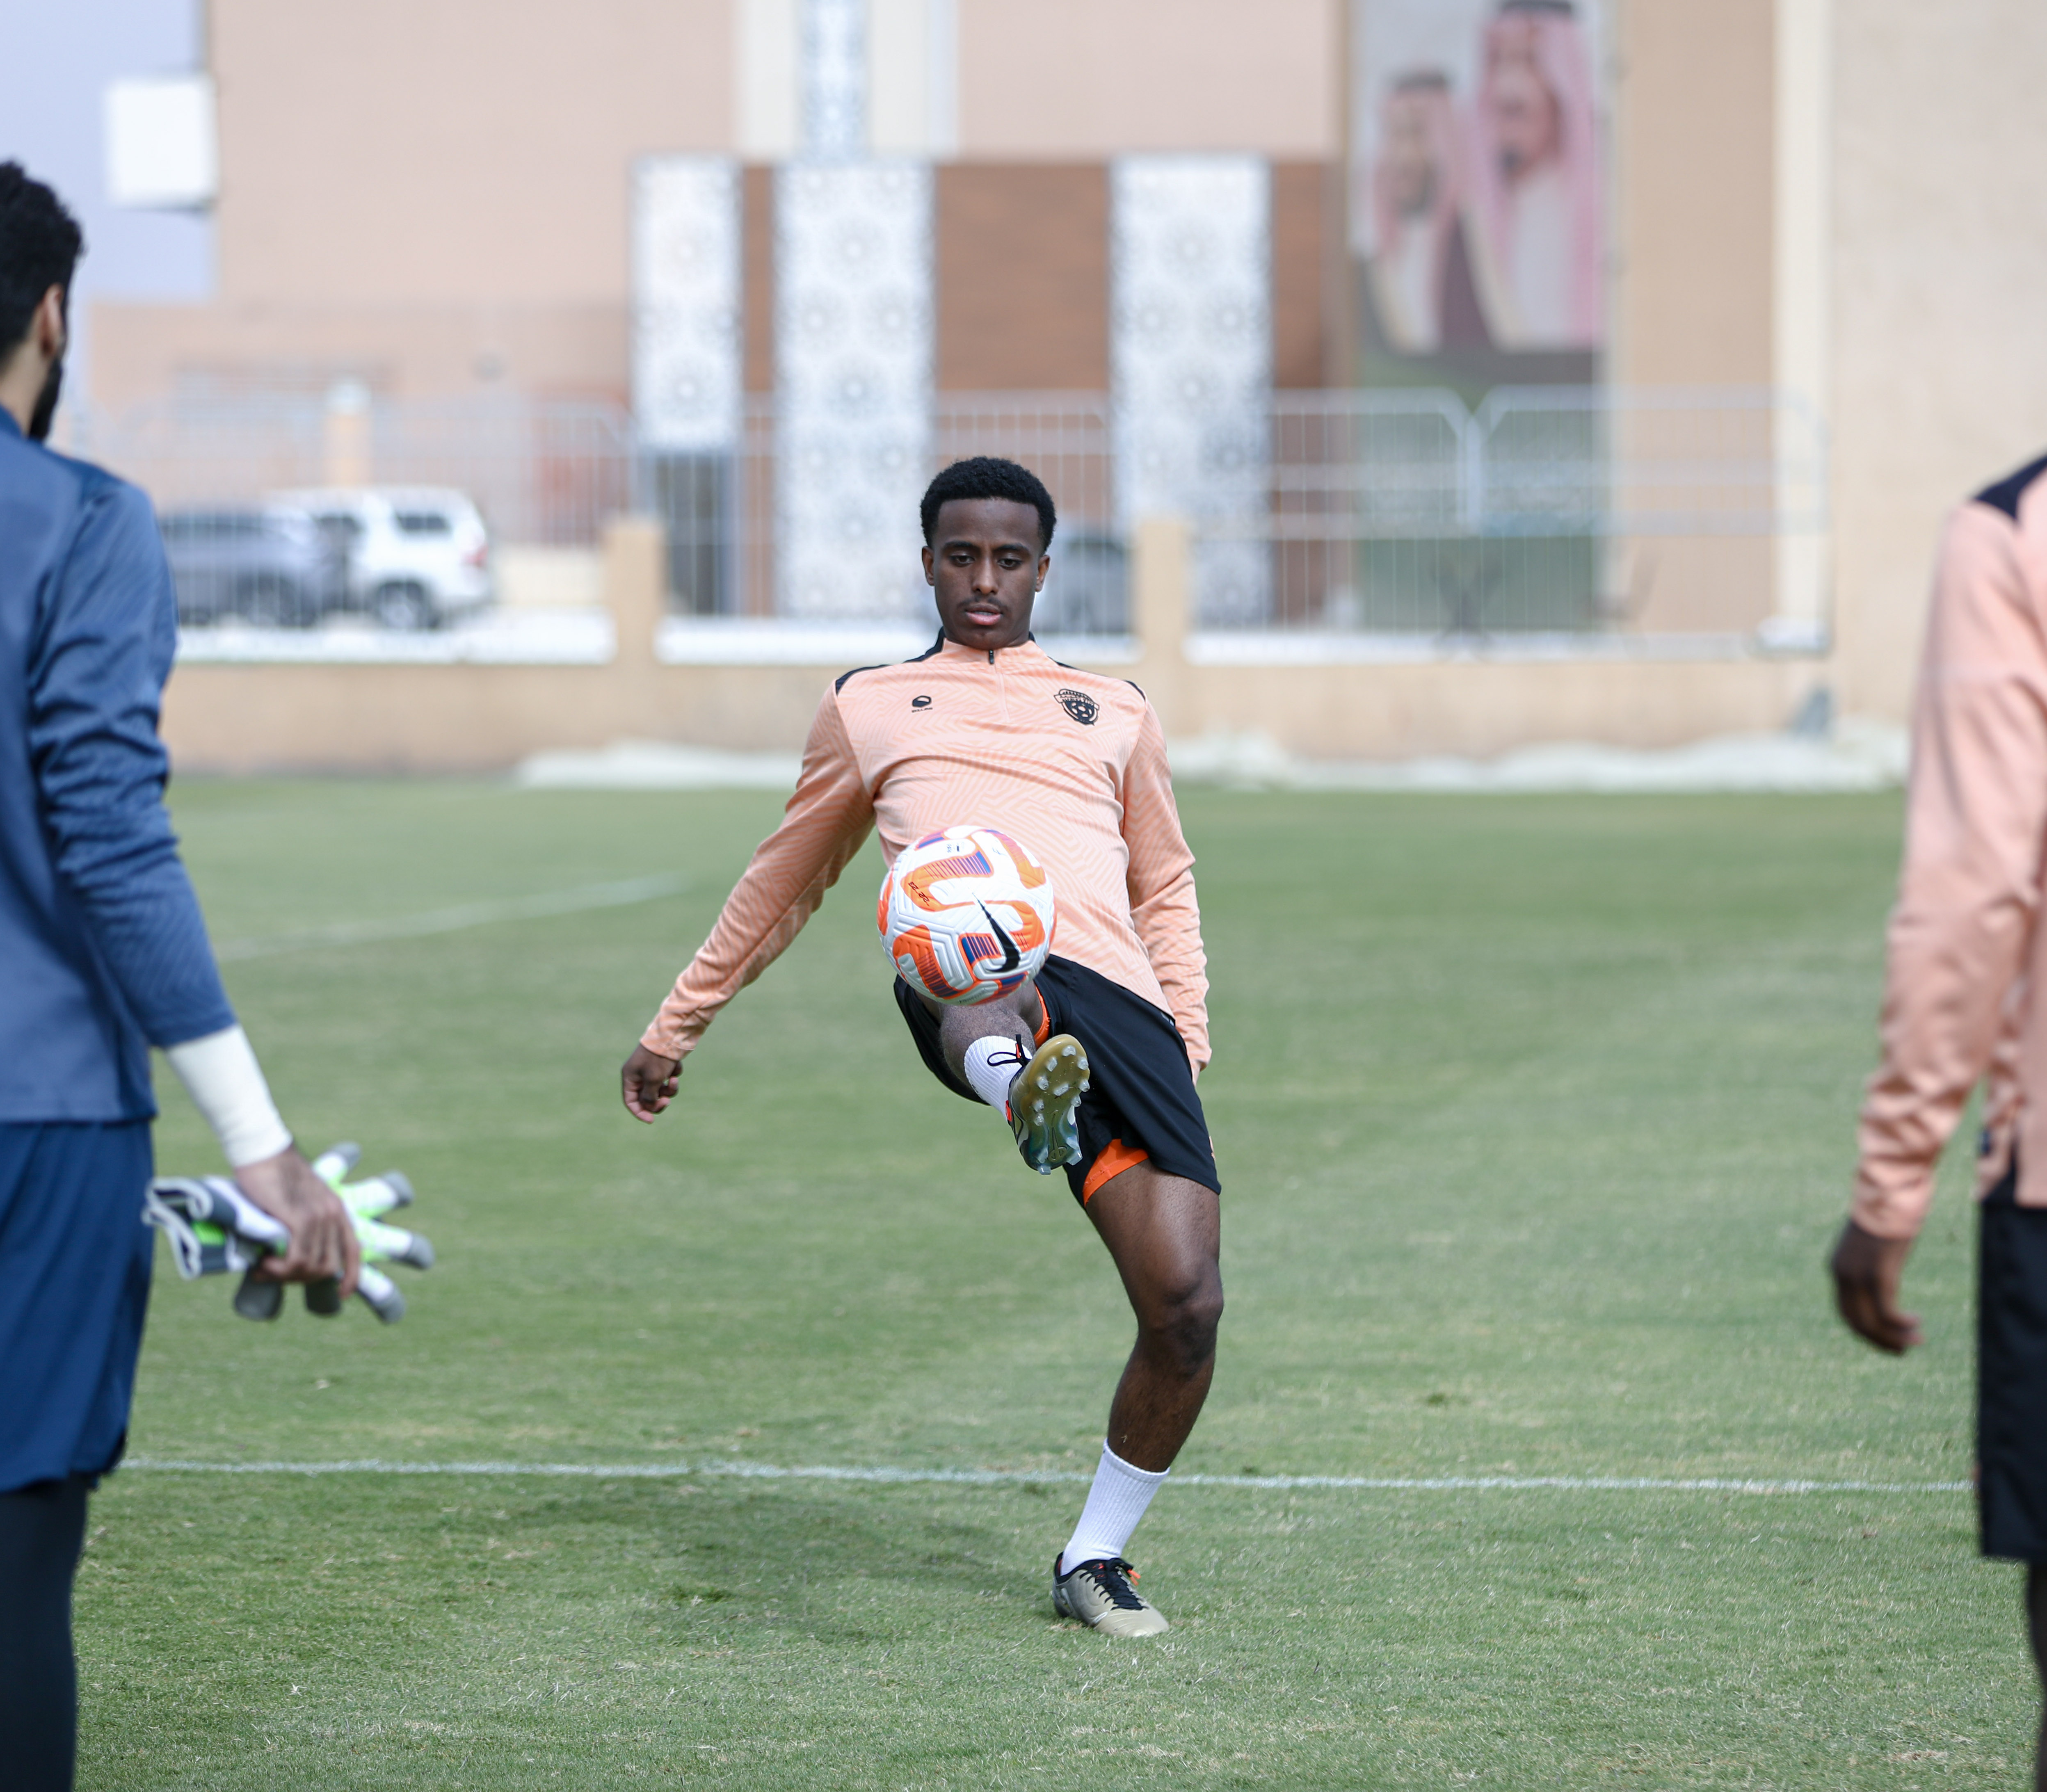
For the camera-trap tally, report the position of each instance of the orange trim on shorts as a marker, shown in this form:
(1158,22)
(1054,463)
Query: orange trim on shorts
(1044,1023)
(1116,1158)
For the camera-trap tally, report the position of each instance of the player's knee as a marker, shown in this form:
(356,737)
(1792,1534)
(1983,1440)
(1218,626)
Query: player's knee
(1186,1316)
(958,1027)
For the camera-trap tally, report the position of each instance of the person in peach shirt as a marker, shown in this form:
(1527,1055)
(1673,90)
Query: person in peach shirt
(1966,959)
(986,727)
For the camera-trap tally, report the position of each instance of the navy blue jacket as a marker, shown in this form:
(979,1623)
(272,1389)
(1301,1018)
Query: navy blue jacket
(103,952)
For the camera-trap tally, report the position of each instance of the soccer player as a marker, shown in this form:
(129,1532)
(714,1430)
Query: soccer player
(102,953)
(1967,962)
(1093,1063)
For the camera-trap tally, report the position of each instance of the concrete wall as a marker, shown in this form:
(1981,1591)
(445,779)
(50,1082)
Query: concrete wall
(1694,197)
(1693,213)
(437,152)
(1022,276)
(429,194)
(399,350)
(1064,80)
(242,718)
(1939,349)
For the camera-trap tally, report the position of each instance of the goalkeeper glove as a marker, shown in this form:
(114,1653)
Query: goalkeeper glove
(213,1228)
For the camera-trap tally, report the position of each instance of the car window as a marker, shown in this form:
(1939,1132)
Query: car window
(423,522)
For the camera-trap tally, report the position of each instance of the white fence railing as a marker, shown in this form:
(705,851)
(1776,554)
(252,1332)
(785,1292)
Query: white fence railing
(1544,509)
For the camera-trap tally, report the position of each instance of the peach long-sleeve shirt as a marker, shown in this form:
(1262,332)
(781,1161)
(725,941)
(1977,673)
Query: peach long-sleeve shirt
(1967,952)
(1073,764)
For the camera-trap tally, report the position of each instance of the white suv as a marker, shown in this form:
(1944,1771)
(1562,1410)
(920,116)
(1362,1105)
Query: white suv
(417,555)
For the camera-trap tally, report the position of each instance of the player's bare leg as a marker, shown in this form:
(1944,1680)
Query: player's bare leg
(1015,1017)
(991,1047)
(1164,1234)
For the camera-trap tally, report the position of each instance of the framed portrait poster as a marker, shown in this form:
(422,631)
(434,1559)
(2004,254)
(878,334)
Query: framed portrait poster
(1479,191)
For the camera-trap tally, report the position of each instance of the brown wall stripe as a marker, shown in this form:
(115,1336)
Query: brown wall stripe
(1022,276)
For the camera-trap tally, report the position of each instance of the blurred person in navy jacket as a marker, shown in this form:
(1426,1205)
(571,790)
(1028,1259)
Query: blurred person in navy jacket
(103,955)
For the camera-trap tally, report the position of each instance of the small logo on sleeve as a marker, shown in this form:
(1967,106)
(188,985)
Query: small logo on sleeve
(1078,705)
(920,702)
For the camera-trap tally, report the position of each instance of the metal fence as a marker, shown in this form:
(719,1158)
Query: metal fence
(545,473)
(1546,510)
(726,534)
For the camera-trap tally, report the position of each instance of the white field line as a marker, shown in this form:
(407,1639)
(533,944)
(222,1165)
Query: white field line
(453,920)
(1023,1477)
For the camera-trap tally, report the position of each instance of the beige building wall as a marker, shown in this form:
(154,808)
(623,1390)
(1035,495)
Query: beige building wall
(442,152)
(430,194)
(1080,80)
(1694,192)
(1693,209)
(399,350)
(1939,350)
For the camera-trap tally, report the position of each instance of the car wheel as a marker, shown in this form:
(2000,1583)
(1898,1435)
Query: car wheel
(404,606)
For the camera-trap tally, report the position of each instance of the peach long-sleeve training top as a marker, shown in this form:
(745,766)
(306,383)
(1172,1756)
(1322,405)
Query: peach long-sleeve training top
(1967,952)
(1071,762)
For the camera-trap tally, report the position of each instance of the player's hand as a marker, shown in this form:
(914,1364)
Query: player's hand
(1866,1272)
(324,1246)
(648,1081)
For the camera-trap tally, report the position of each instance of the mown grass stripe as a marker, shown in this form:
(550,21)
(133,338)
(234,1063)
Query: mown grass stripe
(626,894)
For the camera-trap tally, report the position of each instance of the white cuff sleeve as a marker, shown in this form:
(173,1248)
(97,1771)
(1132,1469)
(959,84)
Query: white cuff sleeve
(225,1083)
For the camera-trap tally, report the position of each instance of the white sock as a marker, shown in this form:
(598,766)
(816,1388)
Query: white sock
(992,1064)
(1115,1504)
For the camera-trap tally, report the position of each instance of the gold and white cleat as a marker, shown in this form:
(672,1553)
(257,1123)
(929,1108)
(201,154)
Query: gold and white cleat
(1100,1595)
(1042,1100)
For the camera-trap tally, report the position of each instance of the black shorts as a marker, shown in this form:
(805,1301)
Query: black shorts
(1141,1103)
(2011,1375)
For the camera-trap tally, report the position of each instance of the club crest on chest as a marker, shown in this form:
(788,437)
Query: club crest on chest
(1078,705)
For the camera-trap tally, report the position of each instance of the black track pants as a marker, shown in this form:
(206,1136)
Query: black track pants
(42,1529)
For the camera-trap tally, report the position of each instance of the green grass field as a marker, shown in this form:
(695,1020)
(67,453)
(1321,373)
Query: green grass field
(1535,1118)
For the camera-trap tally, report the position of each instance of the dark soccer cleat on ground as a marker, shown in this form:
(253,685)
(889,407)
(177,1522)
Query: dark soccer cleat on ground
(1042,1101)
(1100,1595)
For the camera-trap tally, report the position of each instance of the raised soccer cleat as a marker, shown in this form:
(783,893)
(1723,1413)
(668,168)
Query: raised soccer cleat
(1042,1101)
(1099,1595)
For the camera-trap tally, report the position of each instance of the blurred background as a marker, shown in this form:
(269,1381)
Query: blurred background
(1414,377)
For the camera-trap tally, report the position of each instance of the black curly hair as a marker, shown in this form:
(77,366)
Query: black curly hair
(40,246)
(986,476)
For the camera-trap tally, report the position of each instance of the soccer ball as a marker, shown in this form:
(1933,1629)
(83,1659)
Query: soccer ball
(965,915)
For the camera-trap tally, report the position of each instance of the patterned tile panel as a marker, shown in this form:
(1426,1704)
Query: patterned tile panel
(1191,360)
(686,299)
(853,352)
(834,79)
